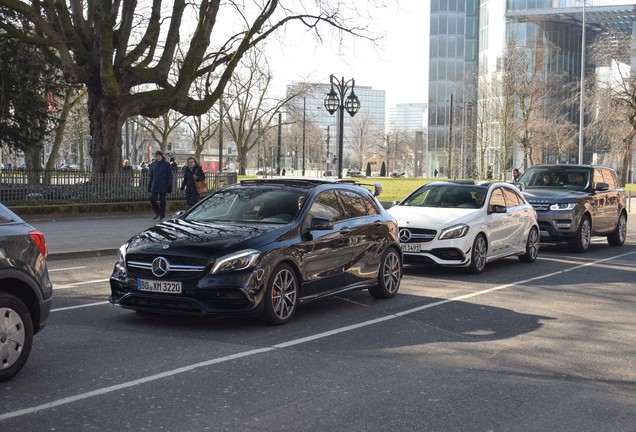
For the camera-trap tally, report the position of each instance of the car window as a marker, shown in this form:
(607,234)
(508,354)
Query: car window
(598,176)
(446,195)
(497,198)
(6,216)
(327,206)
(610,178)
(353,204)
(512,198)
(372,207)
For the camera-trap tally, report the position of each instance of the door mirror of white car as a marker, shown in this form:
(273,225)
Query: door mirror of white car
(495,208)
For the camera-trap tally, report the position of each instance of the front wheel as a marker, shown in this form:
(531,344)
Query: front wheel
(281,297)
(16,335)
(389,275)
(532,247)
(582,240)
(617,238)
(478,255)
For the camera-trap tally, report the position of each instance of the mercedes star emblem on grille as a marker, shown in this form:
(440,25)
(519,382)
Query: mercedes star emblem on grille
(404,235)
(160,267)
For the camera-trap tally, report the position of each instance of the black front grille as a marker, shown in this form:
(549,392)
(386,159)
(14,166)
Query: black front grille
(165,304)
(419,235)
(182,268)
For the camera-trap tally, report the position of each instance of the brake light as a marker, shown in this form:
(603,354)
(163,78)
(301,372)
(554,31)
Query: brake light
(38,238)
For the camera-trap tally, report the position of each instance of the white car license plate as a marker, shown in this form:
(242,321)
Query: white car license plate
(410,247)
(159,286)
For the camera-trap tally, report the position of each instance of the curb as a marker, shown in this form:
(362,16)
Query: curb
(81,254)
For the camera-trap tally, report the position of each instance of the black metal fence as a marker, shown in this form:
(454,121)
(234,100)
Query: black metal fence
(24,187)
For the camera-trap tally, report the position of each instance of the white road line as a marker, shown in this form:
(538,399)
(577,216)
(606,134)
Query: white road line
(169,373)
(77,284)
(79,306)
(67,268)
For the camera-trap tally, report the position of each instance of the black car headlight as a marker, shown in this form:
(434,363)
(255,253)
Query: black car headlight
(121,256)
(456,231)
(237,261)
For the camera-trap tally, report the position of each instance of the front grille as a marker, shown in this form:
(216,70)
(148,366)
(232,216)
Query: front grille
(419,235)
(166,304)
(540,206)
(139,265)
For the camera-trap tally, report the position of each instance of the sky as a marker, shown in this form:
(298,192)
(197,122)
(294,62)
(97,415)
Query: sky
(396,66)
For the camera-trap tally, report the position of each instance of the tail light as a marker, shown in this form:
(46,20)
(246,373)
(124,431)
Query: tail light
(38,238)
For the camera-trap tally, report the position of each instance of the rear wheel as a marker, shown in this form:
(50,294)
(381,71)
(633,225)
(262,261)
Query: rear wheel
(532,247)
(617,238)
(281,297)
(16,335)
(389,275)
(478,254)
(582,240)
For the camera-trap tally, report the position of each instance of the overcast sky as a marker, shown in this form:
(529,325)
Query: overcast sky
(396,67)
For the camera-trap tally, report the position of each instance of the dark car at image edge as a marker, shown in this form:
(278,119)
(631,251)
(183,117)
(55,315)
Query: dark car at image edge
(25,290)
(575,203)
(259,248)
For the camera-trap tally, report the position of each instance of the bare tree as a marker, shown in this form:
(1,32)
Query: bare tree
(124,52)
(615,96)
(362,137)
(161,128)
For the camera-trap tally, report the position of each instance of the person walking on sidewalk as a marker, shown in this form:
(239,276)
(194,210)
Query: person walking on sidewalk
(160,184)
(191,173)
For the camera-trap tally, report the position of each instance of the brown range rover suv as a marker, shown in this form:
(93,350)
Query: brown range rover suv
(575,202)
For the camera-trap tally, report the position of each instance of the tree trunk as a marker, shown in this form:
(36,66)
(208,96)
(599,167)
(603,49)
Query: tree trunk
(627,154)
(106,123)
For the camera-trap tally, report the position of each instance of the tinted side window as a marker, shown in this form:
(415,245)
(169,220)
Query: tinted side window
(372,207)
(497,198)
(512,198)
(326,206)
(353,203)
(6,216)
(610,178)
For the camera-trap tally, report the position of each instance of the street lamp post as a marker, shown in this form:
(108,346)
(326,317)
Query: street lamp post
(337,102)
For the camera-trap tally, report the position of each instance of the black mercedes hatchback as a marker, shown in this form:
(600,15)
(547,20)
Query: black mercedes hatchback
(260,248)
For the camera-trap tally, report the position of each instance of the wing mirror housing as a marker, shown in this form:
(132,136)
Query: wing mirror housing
(496,208)
(321,224)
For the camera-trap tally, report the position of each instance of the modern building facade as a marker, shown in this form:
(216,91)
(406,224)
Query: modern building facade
(468,39)
(407,117)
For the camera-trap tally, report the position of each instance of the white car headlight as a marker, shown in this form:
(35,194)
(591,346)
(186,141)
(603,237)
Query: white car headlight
(121,256)
(236,261)
(563,206)
(456,231)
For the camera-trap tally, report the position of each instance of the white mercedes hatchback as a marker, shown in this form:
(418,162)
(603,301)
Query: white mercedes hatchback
(466,224)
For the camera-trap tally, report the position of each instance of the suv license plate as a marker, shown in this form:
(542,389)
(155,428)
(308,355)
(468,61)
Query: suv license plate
(159,286)
(409,247)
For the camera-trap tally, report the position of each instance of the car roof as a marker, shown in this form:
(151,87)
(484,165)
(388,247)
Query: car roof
(306,183)
(573,166)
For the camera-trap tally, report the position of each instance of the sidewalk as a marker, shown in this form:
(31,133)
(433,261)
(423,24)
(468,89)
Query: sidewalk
(103,235)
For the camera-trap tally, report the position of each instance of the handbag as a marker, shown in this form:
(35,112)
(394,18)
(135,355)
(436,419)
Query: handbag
(202,187)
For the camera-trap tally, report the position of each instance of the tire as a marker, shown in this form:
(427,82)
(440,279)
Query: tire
(581,242)
(16,335)
(281,296)
(532,247)
(478,254)
(617,238)
(389,275)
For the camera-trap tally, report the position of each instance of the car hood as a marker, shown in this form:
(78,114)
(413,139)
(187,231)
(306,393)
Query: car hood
(178,234)
(432,217)
(552,195)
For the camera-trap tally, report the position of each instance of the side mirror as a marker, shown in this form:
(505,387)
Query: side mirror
(495,208)
(320,224)
(601,186)
(178,214)
(377,189)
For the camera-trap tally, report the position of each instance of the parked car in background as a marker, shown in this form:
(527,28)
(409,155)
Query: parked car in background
(465,224)
(328,173)
(259,248)
(25,290)
(354,173)
(69,167)
(576,202)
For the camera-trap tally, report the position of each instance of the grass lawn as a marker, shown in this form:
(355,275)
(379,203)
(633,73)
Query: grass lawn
(395,189)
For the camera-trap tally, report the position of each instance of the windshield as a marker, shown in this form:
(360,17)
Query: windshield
(250,204)
(557,177)
(448,195)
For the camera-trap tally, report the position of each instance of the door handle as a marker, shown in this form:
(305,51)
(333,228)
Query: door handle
(377,223)
(345,231)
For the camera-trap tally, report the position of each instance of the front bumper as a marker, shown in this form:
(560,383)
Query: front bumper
(455,252)
(557,225)
(234,293)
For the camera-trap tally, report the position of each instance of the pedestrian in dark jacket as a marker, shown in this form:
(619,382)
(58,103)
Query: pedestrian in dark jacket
(160,184)
(191,173)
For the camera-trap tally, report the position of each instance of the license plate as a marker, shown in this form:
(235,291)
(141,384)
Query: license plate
(159,286)
(409,247)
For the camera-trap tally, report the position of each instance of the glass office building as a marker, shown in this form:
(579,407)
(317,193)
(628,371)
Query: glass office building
(467,41)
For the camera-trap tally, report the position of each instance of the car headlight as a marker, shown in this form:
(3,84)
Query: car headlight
(121,256)
(236,261)
(456,231)
(563,206)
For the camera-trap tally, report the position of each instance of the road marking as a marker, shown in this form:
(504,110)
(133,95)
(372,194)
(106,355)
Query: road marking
(79,306)
(77,284)
(293,342)
(67,268)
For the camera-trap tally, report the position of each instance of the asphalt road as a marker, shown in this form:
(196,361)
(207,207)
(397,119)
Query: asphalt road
(548,346)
